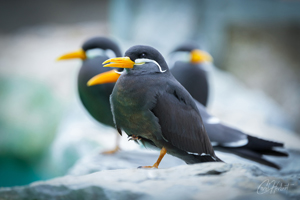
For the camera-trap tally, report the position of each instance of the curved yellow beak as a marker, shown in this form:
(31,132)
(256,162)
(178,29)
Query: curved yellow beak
(198,56)
(105,77)
(119,62)
(76,54)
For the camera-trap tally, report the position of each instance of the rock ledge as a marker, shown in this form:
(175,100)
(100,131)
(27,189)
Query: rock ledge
(205,181)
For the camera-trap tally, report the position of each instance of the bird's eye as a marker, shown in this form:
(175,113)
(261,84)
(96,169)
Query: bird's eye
(142,55)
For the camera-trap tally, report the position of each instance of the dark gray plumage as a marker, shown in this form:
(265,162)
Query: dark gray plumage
(96,99)
(193,76)
(231,140)
(149,103)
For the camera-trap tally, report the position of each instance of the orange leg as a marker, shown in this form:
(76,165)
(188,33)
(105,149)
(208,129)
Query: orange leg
(117,148)
(163,152)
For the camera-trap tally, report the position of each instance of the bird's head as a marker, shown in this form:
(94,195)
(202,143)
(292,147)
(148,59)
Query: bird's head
(138,59)
(93,47)
(195,54)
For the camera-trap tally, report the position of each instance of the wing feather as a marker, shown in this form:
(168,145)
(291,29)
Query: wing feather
(180,121)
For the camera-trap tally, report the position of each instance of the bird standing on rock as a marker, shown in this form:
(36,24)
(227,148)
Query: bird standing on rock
(96,99)
(222,137)
(192,74)
(151,106)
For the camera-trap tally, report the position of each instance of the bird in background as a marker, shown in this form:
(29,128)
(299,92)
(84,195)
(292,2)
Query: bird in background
(222,137)
(191,70)
(193,75)
(95,99)
(153,108)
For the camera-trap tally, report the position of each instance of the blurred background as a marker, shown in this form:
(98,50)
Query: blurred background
(44,129)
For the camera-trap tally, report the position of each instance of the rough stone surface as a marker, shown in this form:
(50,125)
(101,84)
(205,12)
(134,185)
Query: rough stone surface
(96,161)
(130,159)
(199,181)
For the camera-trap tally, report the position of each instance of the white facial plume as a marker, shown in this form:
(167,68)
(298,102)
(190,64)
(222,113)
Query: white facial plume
(141,61)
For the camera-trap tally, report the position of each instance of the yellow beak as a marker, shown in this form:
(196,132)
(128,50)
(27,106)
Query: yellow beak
(76,54)
(120,62)
(198,56)
(111,76)
(105,77)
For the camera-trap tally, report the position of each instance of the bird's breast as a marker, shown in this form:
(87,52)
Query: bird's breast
(131,105)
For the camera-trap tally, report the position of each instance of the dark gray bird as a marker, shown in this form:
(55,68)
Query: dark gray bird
(151,106)
(222,137)
(192,73)
(96,99)
(228,139)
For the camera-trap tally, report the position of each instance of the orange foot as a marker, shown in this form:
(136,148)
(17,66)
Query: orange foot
(149,167)
(163,152)
(115,150)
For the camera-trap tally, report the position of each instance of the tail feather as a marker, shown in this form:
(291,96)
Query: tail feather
(207,158)
(255,149)
(254,156)
(272,152)
(258,144)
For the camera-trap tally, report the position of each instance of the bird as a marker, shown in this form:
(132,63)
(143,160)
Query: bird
(95,99)
(193,76)
(232,140)
(154,109)
(223,137)
(193,73)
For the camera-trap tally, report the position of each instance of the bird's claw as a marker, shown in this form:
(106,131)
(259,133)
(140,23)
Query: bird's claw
(134,138)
